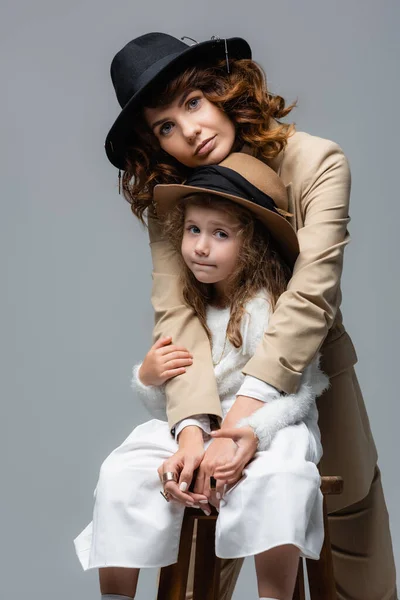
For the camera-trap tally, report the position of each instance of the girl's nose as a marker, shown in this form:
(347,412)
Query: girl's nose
(202,248)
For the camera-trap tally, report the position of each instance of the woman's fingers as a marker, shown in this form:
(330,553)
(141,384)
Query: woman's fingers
(219,490)
(173,489)
(200,501)
(186,476)
(231,469)
(223,475)
(224,469)
(233,434)
(198,498)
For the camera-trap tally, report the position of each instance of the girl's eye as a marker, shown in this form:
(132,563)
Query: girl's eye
(221,235)
(193,229)
(193,102)
(166,128)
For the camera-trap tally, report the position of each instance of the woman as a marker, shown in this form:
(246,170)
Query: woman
(185,106)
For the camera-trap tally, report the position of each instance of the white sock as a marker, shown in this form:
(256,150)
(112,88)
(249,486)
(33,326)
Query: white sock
(115,597)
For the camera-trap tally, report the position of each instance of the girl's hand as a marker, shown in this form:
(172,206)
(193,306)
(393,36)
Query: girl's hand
(164,361)
(183,463)
(218,454)
(247,442)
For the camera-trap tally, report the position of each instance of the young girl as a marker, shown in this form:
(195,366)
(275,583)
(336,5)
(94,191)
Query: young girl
(187,106)
(231,244)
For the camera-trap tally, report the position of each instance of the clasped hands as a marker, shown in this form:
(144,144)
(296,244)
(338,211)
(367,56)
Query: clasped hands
(224,459)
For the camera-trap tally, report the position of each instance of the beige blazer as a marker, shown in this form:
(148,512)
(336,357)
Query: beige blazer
(307,316)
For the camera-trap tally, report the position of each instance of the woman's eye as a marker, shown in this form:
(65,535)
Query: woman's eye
(165,129)
(193,102)
(221,235)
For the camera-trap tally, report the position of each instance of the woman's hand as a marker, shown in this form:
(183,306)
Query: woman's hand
(247,442)
(224,460)
(218,454)
(163,362)
(183,464)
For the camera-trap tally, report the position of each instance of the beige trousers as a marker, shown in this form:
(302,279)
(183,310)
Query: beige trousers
(362,552)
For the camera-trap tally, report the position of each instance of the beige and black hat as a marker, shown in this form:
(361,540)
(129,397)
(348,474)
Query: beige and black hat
(150,61)
(244,180)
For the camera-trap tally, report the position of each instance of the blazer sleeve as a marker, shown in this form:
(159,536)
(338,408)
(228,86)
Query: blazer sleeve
(195,392)
(307,309)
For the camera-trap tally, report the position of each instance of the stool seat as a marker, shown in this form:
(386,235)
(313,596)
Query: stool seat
(207,567)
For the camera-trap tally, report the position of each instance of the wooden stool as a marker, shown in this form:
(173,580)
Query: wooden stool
(207,569)
(321,579)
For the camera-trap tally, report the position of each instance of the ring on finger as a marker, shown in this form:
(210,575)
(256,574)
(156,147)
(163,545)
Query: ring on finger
(169,476)
(165,495)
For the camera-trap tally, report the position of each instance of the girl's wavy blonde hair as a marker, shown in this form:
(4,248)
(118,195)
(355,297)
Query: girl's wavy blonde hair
(259,265)
(242,94)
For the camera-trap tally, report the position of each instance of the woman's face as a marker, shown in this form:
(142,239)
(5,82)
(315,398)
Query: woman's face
(192,129)
(211,244)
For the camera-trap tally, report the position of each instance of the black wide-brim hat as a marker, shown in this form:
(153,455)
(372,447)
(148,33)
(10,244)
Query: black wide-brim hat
(151,60)
(246,181)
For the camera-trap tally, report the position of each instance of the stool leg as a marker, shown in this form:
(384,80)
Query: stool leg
(299,590)
(207,565)
(320,573)
(173,579)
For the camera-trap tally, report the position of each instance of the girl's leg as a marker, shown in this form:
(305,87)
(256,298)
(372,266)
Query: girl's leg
(119,581)
(276,572)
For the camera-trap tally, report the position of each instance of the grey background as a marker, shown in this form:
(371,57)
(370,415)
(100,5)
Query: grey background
(76,269)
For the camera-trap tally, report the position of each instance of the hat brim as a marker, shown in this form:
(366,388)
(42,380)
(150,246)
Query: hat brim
(210,51)
(167,196)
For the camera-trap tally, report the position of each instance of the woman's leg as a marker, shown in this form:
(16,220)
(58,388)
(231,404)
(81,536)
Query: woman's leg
(362,548)
(276,572)
(115,580)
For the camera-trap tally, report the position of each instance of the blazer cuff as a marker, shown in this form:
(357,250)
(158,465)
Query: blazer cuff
(257,389)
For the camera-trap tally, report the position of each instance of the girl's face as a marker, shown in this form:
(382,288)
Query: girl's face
(211,244)
(192,129)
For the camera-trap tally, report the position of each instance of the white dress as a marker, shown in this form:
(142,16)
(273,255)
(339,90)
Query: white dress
(277,501)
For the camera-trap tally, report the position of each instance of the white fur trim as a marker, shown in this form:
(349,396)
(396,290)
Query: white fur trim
(283,410)
(153,396)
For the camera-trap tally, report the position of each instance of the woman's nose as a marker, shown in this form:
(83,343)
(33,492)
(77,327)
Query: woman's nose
(191,130)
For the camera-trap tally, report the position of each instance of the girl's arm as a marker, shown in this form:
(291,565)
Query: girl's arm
(194,392)
(307,309)
(164,361)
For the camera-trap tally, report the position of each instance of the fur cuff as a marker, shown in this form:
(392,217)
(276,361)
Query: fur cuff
(153,396)
(283,410)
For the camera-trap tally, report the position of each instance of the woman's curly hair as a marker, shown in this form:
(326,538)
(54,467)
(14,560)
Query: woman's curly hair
(242,94)
(259,265)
